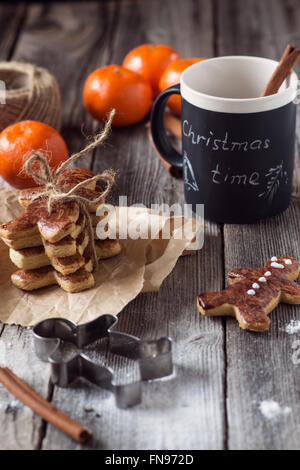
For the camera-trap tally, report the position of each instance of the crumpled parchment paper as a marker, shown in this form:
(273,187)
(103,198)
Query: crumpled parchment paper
(141,267)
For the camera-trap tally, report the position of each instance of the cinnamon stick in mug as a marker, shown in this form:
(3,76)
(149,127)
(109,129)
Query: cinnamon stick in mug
(288,60)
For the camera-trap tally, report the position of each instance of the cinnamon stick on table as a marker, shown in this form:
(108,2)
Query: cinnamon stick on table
(288,60)
(42,407)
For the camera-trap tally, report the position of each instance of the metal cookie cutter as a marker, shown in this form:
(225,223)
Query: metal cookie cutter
(154,357)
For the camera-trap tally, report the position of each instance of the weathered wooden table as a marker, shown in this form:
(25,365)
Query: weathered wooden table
(223,373)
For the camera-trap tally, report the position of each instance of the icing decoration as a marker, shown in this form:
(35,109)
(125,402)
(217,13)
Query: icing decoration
(255,285)
(277,265)
(274,258)
(250,309)
(288,261)
(251,292)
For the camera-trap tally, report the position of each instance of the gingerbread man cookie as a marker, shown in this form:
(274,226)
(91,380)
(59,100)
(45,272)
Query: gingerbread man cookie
(254,293)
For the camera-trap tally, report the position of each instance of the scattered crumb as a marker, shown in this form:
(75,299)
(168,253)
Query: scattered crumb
(293,327)
(271,409)
(88,410)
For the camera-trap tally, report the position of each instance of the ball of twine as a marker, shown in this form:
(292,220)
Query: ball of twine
(31,93)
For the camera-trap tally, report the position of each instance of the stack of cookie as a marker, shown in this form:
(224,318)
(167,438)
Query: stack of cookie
(55,248)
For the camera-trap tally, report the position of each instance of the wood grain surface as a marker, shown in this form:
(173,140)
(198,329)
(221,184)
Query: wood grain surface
(259,368)
(222,373)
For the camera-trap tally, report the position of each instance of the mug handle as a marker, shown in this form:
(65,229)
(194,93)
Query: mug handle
(159,135)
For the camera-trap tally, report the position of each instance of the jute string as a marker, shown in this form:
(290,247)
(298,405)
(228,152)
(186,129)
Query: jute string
(31,93)
(53,191)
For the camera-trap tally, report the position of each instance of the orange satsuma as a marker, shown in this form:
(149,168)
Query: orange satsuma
(150,60)
(19,139)
(116,87)
(171,76)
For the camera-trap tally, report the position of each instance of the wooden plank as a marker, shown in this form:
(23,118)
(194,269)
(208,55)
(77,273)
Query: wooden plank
(11,20)
(259,366)
(188,411)
(20,427)
(59,38)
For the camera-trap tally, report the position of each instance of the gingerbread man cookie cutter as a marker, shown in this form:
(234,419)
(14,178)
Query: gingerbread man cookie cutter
(254,293)
(154,356)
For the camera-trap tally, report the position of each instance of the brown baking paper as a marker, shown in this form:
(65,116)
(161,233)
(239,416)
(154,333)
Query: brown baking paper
(141,267)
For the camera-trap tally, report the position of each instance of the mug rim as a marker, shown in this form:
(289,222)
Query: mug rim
(236,105)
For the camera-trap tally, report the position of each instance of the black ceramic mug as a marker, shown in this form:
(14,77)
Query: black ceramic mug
(237,149)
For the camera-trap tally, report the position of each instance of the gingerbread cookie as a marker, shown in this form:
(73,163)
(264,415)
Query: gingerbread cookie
(52,248)
(34,258)
(71,273)
(254,293)
(66,180)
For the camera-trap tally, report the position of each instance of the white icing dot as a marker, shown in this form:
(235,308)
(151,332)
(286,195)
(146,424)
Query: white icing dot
(268,273)
(274,258)
(255,285)
(251,292)
(277,265)
(262,279)
(288,261)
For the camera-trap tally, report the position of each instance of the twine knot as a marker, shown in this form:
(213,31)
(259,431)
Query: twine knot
(54,192)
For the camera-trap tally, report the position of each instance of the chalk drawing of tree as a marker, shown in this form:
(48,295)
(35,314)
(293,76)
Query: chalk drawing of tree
(189,175)
(275,176)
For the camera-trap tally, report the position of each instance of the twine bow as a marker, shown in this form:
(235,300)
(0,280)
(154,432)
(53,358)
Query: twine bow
(53,190)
